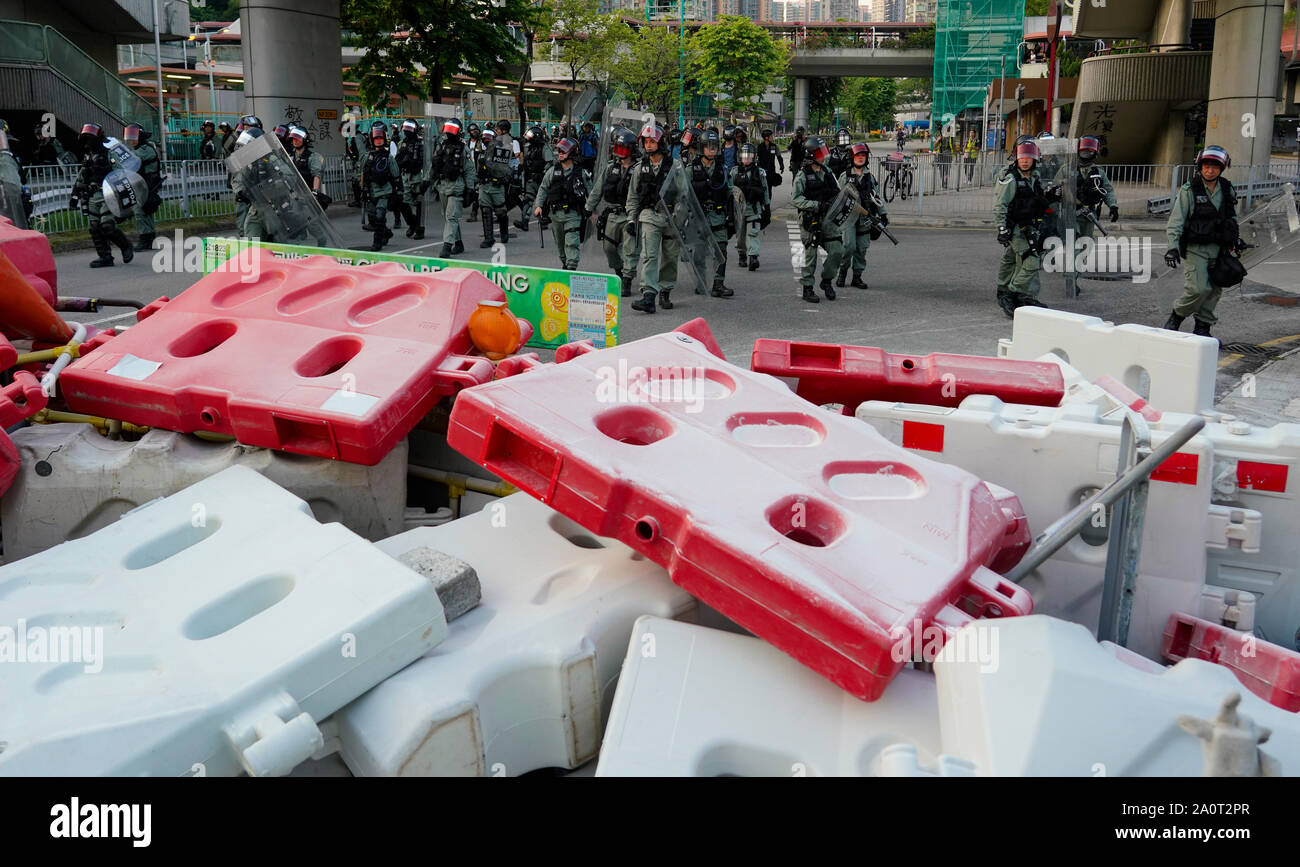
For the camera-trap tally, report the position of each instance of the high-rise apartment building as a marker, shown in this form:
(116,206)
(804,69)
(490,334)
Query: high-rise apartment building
(920,10)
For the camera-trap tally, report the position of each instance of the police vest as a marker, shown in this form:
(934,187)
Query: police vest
(614,190)
(819,186)
(534,161)
(566,192)
(1029,203)
(866,187)
(1090,191)
(97,163)
(376,167)
(750,182)
(838,162)
(710,185)
(448,160)
(650,180)
(1208,224)
(302,162)
(410,156)
(497,161)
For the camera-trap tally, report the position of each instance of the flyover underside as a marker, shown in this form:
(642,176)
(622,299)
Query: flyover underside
(912,66)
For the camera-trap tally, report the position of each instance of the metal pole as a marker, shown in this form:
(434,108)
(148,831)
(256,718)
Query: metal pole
(1065,528)
(1125,539)
(1002,94)
(207,51)
(681,64)
(157,59)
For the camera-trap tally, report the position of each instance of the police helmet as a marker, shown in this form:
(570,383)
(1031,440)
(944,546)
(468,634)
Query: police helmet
(1028,149)
(131,132)
(747,153)
(652,132)
(622,143)
(248,135)
(860,150)
(842,137)
(298,135)
(488,134)
(409,127)
(817,150)
(708,140)
(1089,147)
(564,148)
(451,126)
(1214,154)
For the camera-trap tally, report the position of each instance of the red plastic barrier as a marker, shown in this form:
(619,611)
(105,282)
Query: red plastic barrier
(8,462)
(1264,668)
(31,254)
(313,356)
(21,399)
(1128,397)
(8,355)
(807,528)
(831,373)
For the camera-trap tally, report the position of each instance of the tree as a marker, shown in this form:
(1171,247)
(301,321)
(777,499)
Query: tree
(823,97)
(874,101)
(648,70)
(586,41)
(416,46)
(737,58)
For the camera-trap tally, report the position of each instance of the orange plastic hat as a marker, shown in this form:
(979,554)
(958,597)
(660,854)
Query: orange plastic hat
(24,311)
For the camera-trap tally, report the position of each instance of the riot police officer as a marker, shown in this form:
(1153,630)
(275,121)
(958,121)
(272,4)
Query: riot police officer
(208,144)
(814,190)
(712,188)
(1092,187)
(454,171)
(410,162)
(310,165)
(1022,203)
(659,247)
(608,200)
(88,193)
(228,139)
(750,179)
(379,180)
(242,202)
(563,193)
(536,157)
(859,232)
(497,170)
(1202,225)
(248,218)
(839,160)
(137,139)
(690,144)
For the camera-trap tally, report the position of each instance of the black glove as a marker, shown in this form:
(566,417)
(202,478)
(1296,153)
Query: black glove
(72,203)
(1173,257)
(884,219)
(242,197)
(631,228)
(468,198)
(1004,236)
(1114,213)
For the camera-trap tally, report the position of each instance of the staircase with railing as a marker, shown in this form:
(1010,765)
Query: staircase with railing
(42,70)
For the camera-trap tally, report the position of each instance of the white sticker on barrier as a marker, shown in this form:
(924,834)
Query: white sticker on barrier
(1060,704)
(1179,367)
(210,630)
(1053,458)
(699,702)
(72,482)
(524,680)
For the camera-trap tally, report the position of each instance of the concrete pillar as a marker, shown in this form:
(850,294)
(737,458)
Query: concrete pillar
(1171,147)
(1173,23)
(801,103)
(293,67)
(1243,82)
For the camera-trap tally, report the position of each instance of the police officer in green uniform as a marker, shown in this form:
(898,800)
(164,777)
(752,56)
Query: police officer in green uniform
(410,162)
(151,170)
(455,173)
(563,194)
(659,247)
(1202,223)
(248,218)
(1092,187)
(242,202)
(1022,202)
(814,190)
(751,180)
(310,166)
(537,155)
(712,189)
(379,180)
(858,231)
(608,200)
(88,194)
(496,170)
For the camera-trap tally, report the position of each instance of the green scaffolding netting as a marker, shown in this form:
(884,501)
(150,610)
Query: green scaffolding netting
(971,38)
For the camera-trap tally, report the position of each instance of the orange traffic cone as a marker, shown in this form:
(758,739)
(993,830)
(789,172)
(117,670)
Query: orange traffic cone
(24,311)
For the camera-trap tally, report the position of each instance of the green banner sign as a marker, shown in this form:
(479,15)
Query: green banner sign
(563,306)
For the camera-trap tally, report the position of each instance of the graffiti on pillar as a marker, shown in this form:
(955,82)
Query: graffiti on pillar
(323,131)
(293,114)
(1102,118)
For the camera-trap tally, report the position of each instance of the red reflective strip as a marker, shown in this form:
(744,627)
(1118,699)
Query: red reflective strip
(923,435)
(1256,476)
(1181,469)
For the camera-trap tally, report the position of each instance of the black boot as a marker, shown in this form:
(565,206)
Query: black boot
(1030,301)
(839,278)
(445,251)
(145,242)
(488,237)
(377,242)
(1201,328)
(721,291)
(1007,302)
(828,289)
(522,224)
(857,281)
(105,252)
(810,296)
(646,304)
(628,280)
(743,260)
(119,238)
(397,217)
(1174,322)
(458,247)
(503,223)
(753,263)
(419,222)
(664,300)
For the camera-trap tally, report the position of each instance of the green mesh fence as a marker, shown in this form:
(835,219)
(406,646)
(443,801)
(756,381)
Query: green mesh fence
(971,38)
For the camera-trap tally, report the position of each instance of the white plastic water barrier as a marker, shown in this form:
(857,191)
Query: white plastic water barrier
(73,482)
(524,680)
(702,702)
(1057,703)
(205,633)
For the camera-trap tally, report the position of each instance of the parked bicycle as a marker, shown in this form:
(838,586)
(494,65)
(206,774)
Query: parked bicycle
(898,174)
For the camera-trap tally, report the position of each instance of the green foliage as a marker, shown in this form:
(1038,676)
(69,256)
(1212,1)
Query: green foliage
(914,89)
(873,101)
(587,42)
(442,37)
(738,59)
(648,70)
(823,96)
(1036,7)
(216,10)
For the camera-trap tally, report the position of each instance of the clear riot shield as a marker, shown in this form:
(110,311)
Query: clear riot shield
(1270,228)
(124,191)
(700,254)
(1059,167)
(611,119)
(270,180)
(11,190)
(121,155)
(738,207)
